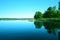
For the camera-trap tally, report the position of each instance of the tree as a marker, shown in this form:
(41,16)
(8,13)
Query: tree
(54,8)
(51,13)
(50,8)
(58,13)
(38,15)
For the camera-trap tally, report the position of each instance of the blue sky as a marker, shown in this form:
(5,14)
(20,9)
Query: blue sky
(24,8)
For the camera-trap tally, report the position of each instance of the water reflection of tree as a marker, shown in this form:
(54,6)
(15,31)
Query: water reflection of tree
(38,24)
(59,35)
(52,26)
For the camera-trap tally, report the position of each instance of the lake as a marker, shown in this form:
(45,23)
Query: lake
(25,30)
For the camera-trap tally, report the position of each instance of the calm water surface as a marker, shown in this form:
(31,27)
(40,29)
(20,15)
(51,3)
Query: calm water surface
(23,30)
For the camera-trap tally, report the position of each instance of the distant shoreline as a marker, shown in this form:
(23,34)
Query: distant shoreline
(16,18)
(30,19)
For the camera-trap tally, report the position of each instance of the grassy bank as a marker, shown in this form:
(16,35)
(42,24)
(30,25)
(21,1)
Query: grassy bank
(47,19)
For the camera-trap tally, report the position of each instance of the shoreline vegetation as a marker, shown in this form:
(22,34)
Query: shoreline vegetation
(16,18)
(25,19)
(47,19)
(50,14)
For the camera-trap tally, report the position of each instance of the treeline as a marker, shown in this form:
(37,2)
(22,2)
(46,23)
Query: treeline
(16,18)
(51,12)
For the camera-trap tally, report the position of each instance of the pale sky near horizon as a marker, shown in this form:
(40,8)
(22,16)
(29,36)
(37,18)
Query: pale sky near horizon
(24,8)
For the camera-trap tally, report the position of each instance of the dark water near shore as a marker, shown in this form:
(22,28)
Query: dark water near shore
(23,30)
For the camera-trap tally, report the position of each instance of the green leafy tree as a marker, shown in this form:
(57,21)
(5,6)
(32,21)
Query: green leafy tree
(54,8)
(47,13)
(58,13)
(49,9)
(51,13)
(38,15)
